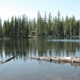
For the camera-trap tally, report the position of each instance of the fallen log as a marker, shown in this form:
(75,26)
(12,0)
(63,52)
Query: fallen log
(8,59)
(58,59)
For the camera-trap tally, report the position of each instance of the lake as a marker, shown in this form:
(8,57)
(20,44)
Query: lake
(21,68)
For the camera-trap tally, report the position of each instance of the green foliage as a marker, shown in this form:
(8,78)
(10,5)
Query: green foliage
(12,25)
(1,28)
(49,23)
(42,26)
(6,28)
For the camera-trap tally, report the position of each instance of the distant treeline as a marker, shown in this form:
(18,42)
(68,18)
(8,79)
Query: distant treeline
(47,26)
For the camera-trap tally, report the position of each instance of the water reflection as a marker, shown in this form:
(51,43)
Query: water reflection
(39,47)
(21,68)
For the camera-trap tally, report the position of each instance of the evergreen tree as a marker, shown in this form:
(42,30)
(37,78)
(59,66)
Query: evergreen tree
(45,24)
(30,26)
(66,27)
(19,27)
(79,28)
(38,27)
(16,28)
(49,24)
(73,26)
(25,26)
(1,31)
(12,27)
(33,24)
(55,26)
(6,28)
(59,25)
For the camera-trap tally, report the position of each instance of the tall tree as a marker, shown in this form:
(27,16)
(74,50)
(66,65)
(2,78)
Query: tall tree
(12,27)
(58,15)
(79,28)
(33,24)
(16,27)
(49,24)
(39,27)
(1,32)
(59,25)
(24,26)
(6,28)
(66,27)
(73,26)
(55,26)
(45,24)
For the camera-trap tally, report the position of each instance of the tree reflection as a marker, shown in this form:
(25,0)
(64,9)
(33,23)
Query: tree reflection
(37,47)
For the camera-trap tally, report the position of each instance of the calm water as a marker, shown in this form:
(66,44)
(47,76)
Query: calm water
(21,68)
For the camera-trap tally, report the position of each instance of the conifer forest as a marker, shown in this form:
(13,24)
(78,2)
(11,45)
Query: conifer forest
(47,26)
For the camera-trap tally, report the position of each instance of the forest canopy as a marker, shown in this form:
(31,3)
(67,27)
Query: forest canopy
(56,26)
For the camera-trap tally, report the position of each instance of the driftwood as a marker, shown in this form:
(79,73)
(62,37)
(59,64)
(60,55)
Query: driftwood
(58,59)
(3,61)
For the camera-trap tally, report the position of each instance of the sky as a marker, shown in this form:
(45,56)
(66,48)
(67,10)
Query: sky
(9,8)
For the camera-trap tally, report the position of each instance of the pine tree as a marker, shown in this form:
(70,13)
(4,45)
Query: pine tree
(49,24)
(6,28)
(38,27)
(12,27)
(79,28)
(19,27)
(1,31)
(16,28)
(45,24)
